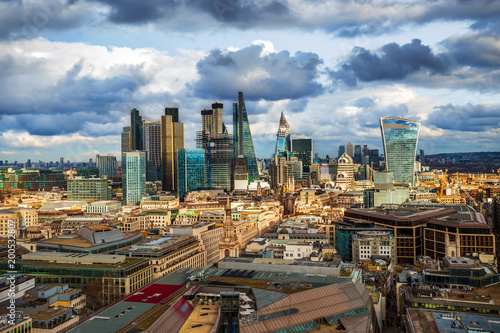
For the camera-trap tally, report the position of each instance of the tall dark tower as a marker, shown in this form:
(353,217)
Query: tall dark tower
(243,144)
(136,129)
(174,112)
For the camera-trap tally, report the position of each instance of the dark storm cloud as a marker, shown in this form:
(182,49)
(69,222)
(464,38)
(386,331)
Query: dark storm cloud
(469,118)
(19,19)
(71,104)
(27,19)
(271,77)
(474,49)
(390,62)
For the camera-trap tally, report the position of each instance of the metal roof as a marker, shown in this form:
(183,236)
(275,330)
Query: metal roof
(307,306)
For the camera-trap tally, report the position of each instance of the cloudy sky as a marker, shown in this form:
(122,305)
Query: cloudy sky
(71,69)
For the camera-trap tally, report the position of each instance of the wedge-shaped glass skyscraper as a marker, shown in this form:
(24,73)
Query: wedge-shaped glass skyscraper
(243,144)
(400,138)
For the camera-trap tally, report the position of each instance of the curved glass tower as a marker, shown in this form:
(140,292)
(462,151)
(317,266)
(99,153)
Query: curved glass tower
(400,137)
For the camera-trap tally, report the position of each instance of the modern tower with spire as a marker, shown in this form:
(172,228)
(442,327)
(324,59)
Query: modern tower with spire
(283,137)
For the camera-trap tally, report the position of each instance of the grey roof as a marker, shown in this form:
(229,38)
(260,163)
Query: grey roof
(114,318)
(266,297)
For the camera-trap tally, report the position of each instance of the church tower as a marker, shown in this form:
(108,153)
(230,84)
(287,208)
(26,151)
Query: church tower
(229,245)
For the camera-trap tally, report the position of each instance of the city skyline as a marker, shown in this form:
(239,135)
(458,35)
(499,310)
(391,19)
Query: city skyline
(72,72)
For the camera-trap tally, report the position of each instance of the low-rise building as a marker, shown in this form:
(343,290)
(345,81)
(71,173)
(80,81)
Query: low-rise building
(461,273)
(103,207)
(208,233)
(118,275)
(373,244)
(167,253)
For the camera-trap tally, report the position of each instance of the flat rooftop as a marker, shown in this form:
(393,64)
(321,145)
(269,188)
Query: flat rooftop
(157,244)
(76,258)
(114,318)
(426,321)
(334,263)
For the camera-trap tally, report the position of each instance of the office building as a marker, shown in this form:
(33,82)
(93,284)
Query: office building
(461,273)
(106,165)
(219,149)
(152,146)
(133,176)
(371,244)
(33,180)
(341,150)
(89,189)
(357,154)
(283,137)
(349,149)
(240,173)
(190,170)
(212,120)
(345,173)
(385,191)
(172,138)
(374,158)
(136,130)
(126,139)
(243,144)
(400,137)
(303,149)
(433,230)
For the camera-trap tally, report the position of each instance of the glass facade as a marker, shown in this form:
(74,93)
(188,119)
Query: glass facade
(283,137)
(303,149)
(400,138)
(134,177)
(191,170)
(243,144)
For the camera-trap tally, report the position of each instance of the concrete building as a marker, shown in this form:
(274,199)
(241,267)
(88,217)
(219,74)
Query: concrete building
(103,207)
(89,189)
(373,244)
(420,229)
(119,275)
(345,172)
(167,253)
(207,233)
(90,239)
(106,165)
(461,273)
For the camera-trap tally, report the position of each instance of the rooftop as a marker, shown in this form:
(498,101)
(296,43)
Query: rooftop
(426,321)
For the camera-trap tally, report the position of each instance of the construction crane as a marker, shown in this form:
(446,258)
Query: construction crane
(442,186)
(371,175)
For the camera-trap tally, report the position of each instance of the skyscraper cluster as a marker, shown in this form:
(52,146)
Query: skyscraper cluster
(221,160)
(292,159)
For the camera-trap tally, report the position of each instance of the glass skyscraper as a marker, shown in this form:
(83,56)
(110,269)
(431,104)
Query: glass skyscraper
(134,176)
(190,170)
(400,138)
(283,137)
(303,149)
(243,144)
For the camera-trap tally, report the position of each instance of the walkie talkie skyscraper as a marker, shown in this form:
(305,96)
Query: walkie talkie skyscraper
(400,137)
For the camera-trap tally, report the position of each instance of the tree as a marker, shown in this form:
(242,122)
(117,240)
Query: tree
(93,291)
